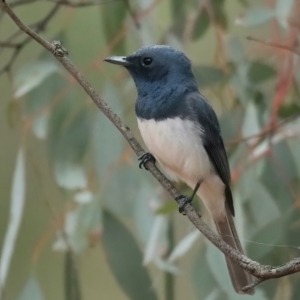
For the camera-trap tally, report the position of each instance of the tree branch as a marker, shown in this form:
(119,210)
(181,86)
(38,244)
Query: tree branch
(261,272)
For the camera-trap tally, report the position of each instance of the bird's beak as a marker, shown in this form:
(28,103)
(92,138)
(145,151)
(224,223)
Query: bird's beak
(118,60)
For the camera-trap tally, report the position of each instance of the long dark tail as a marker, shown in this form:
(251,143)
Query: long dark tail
(227,231)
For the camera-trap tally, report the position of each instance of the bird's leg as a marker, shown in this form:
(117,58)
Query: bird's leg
(144,159)
(184,200)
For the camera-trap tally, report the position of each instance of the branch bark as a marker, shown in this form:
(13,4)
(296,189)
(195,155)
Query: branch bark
(261,272)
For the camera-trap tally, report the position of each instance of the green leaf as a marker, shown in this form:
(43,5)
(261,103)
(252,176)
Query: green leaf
(113,15)
(184,245)
(17,203)
(31,75)
(201,25)
(125,259)
(31,290)
(283,11)
(256,15)
(72,287)
(143,213)
(157,239)
(178,9)
(289,110)
(121,200)
(266,238)
(44,93)
(208,75)
(219,13)
(259,72)
(262,215)
(68,141)
(40,125)
(167,208)
(107,140)
(251,125)
(203,279)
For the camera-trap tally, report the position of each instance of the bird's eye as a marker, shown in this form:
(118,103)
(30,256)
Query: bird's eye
(147,61)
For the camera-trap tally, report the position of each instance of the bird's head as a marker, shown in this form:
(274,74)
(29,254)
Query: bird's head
(156,65)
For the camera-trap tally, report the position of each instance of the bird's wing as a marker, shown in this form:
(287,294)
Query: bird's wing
(212,140)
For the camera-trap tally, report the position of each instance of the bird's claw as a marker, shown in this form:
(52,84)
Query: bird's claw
(183,201)
(144,159)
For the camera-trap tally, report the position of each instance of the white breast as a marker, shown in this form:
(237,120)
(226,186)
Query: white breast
(177,146)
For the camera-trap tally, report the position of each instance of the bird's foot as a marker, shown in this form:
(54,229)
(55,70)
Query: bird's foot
(183,201)
(144,159)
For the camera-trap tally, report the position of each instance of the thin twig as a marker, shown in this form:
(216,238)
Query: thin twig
(274,44)
(264,272)
(40,26)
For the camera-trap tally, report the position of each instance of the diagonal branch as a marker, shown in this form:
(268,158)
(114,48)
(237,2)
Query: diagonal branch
(261,272)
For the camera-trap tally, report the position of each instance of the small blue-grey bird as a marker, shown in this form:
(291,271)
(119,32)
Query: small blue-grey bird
(182,133)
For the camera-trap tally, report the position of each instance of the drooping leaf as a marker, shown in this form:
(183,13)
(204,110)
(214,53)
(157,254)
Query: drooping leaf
(16,213)
(208,75)
(289,110)
(40,125)
(203,279)
(219,14)
(156,239)
(107,141)
(258,72)
(178,9)
(201,25)
(72,286)
(81,224)
(31,290)
(31,75)
(143,213)
(256,15)
(125,259)
(184,245)
(113,15)
(52,88)
(68,141)
(121,200)
(251,124)
(283,10)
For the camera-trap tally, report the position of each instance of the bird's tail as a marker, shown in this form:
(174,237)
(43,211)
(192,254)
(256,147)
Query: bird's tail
(226,228)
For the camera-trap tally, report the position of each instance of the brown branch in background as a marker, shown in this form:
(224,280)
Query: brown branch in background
(275,44)
(262,272)
(81,4)
(40,26)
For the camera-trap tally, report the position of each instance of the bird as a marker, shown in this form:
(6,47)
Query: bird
(182,133)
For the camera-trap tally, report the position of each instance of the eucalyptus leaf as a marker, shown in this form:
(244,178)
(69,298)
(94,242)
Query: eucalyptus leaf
(259,72)
(31,290)
(251,125)
(184,245)
(203,280)
(283,11)
(208,75)
(113,15)
(256,15)
(40,125)
(143,212)
(125,260)
(72,287)
(31,75)
(69,141)
(219,15)
(201,25)
(157,239)
(17,204)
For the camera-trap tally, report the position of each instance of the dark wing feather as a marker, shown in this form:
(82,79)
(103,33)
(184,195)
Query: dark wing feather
(212,140)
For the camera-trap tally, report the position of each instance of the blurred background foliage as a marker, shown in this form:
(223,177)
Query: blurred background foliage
(79,219)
